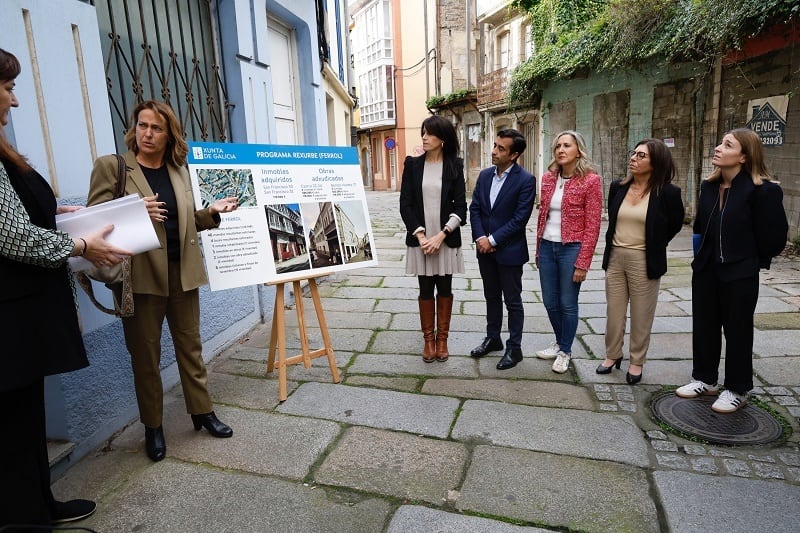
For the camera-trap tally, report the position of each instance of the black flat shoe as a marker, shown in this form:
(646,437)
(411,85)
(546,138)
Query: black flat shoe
(154,443)
(488,345)
(602,369)
(212,424)
(633,380)
(510,359)
(71,511)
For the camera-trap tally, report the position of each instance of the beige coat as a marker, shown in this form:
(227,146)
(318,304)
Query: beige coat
(149,269)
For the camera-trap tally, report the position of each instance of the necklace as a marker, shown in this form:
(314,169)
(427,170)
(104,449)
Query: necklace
(562,180)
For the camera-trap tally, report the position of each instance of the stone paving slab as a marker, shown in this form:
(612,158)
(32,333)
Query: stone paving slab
(401,411)
(459,343)
(241,391)
(177,497)
(380,382)
(362,305)
(353,279)
(413,365)
(262,443)
(409,321)
(776,343)
(545,394)
(764,305)
(529,368)
(661,324)
(662,346)
(558,492)
(560,431)
(411,517)
(697,502)
(778,371)
(342,319)
(379,293)
(402,306)
(394,464)
(317,372)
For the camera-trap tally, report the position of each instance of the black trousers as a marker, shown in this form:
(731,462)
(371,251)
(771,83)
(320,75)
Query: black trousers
(502,283)
(25,496)
(723,306)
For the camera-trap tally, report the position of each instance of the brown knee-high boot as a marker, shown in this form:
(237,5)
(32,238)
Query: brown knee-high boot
(444,308)
(427,319)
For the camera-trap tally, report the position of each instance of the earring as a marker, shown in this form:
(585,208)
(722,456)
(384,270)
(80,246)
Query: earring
(442,144)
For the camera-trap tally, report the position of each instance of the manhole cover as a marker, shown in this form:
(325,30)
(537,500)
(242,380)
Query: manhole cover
(748,425)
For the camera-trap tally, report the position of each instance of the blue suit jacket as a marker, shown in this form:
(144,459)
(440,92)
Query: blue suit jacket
(505,221)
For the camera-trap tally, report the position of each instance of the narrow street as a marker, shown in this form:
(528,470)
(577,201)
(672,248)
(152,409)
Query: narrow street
(401,445)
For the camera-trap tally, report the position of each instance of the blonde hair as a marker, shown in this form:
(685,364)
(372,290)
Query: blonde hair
(754,163)
(177,149)
(584,165)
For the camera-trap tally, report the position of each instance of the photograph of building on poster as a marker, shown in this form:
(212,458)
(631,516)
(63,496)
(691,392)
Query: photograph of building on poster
(287,238)
(322,233)
(221,183)
(353,231)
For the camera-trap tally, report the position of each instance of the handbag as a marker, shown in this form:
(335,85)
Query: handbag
(116,277)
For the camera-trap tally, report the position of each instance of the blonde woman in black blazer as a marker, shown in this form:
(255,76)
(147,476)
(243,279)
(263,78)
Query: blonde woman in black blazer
(433,206)
(645,211)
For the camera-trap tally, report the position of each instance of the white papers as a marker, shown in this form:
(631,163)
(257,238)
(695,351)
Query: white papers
(132,231)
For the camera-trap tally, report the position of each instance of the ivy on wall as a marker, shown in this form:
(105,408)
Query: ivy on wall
(581,35)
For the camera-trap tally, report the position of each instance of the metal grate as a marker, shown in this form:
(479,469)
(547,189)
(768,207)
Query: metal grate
(164,50)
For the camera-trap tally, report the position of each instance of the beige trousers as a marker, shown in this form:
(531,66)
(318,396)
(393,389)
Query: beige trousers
(626,281)
(143,339)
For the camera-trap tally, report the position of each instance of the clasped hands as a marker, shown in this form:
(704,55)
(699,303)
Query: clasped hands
(484,246)
(430,246)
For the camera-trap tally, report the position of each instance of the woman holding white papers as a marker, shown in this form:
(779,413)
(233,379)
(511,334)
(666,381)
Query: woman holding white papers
(165,281)
(38,324)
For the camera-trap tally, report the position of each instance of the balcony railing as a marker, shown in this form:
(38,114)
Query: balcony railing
(493,88)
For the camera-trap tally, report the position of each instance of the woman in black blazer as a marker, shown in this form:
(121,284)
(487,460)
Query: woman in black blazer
(433,206)
(645,211)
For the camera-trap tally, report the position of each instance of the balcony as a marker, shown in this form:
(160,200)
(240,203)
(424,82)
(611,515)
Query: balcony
(493,88)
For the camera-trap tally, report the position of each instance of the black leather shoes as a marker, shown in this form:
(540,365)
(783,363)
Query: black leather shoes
(154,443)
(488,345)
(212,424)
(633,379)
(510,359)
(71,511)
(602,369)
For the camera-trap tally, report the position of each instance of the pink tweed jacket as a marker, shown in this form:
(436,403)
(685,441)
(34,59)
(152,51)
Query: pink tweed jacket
(581,211)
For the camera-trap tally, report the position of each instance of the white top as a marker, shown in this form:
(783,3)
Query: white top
(552,230)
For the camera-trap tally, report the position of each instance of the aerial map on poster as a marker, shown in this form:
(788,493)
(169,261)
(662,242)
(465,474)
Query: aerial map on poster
(302,211)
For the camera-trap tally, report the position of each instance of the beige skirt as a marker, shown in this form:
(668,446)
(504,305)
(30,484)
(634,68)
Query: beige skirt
(447,261)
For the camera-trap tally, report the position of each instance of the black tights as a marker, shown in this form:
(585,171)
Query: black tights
(443,285)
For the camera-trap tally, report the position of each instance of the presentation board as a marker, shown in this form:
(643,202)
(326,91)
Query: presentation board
(302,211)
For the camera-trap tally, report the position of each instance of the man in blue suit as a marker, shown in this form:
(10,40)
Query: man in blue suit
(501,206)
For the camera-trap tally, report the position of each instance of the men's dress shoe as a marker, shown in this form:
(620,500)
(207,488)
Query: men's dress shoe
(154,443)
(488,345)
(633,380)
(602,369)
(212,424)
(71,511)
(510,359)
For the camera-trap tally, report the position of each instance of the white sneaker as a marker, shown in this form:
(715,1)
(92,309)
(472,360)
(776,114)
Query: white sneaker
(548,353)
(697,388)
(729,402)
(561,364)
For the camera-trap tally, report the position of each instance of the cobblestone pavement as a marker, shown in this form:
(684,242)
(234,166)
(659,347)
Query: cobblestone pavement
(400,445)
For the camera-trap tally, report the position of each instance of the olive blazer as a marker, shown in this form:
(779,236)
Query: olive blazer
(149,269)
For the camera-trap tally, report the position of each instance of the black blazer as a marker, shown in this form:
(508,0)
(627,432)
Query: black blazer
(664,220)
(38,319)
(751,230)
(453,199)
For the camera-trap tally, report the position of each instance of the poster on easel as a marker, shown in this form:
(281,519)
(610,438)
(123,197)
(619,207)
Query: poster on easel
(302,210)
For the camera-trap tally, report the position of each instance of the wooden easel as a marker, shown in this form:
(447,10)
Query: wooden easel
(277,340)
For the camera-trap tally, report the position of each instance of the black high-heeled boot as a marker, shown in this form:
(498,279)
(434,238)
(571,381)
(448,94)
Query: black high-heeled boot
(212,424)
(602,369)
(154,443)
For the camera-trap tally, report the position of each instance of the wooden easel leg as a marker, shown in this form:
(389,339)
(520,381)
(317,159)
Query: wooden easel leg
(273,337)
(323,327)
(280,324)
(301,323)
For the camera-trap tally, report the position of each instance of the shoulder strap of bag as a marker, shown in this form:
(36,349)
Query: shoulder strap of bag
(123,296)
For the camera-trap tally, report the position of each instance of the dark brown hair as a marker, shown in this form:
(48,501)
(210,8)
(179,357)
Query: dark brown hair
(660,161)
(9,70)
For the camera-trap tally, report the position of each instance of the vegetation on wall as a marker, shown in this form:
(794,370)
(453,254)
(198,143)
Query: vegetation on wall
(437,101)
(580,35)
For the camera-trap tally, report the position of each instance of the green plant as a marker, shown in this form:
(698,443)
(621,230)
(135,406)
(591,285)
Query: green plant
(455,96)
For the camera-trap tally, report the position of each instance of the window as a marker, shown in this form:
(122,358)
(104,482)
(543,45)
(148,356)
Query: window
(503,50)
